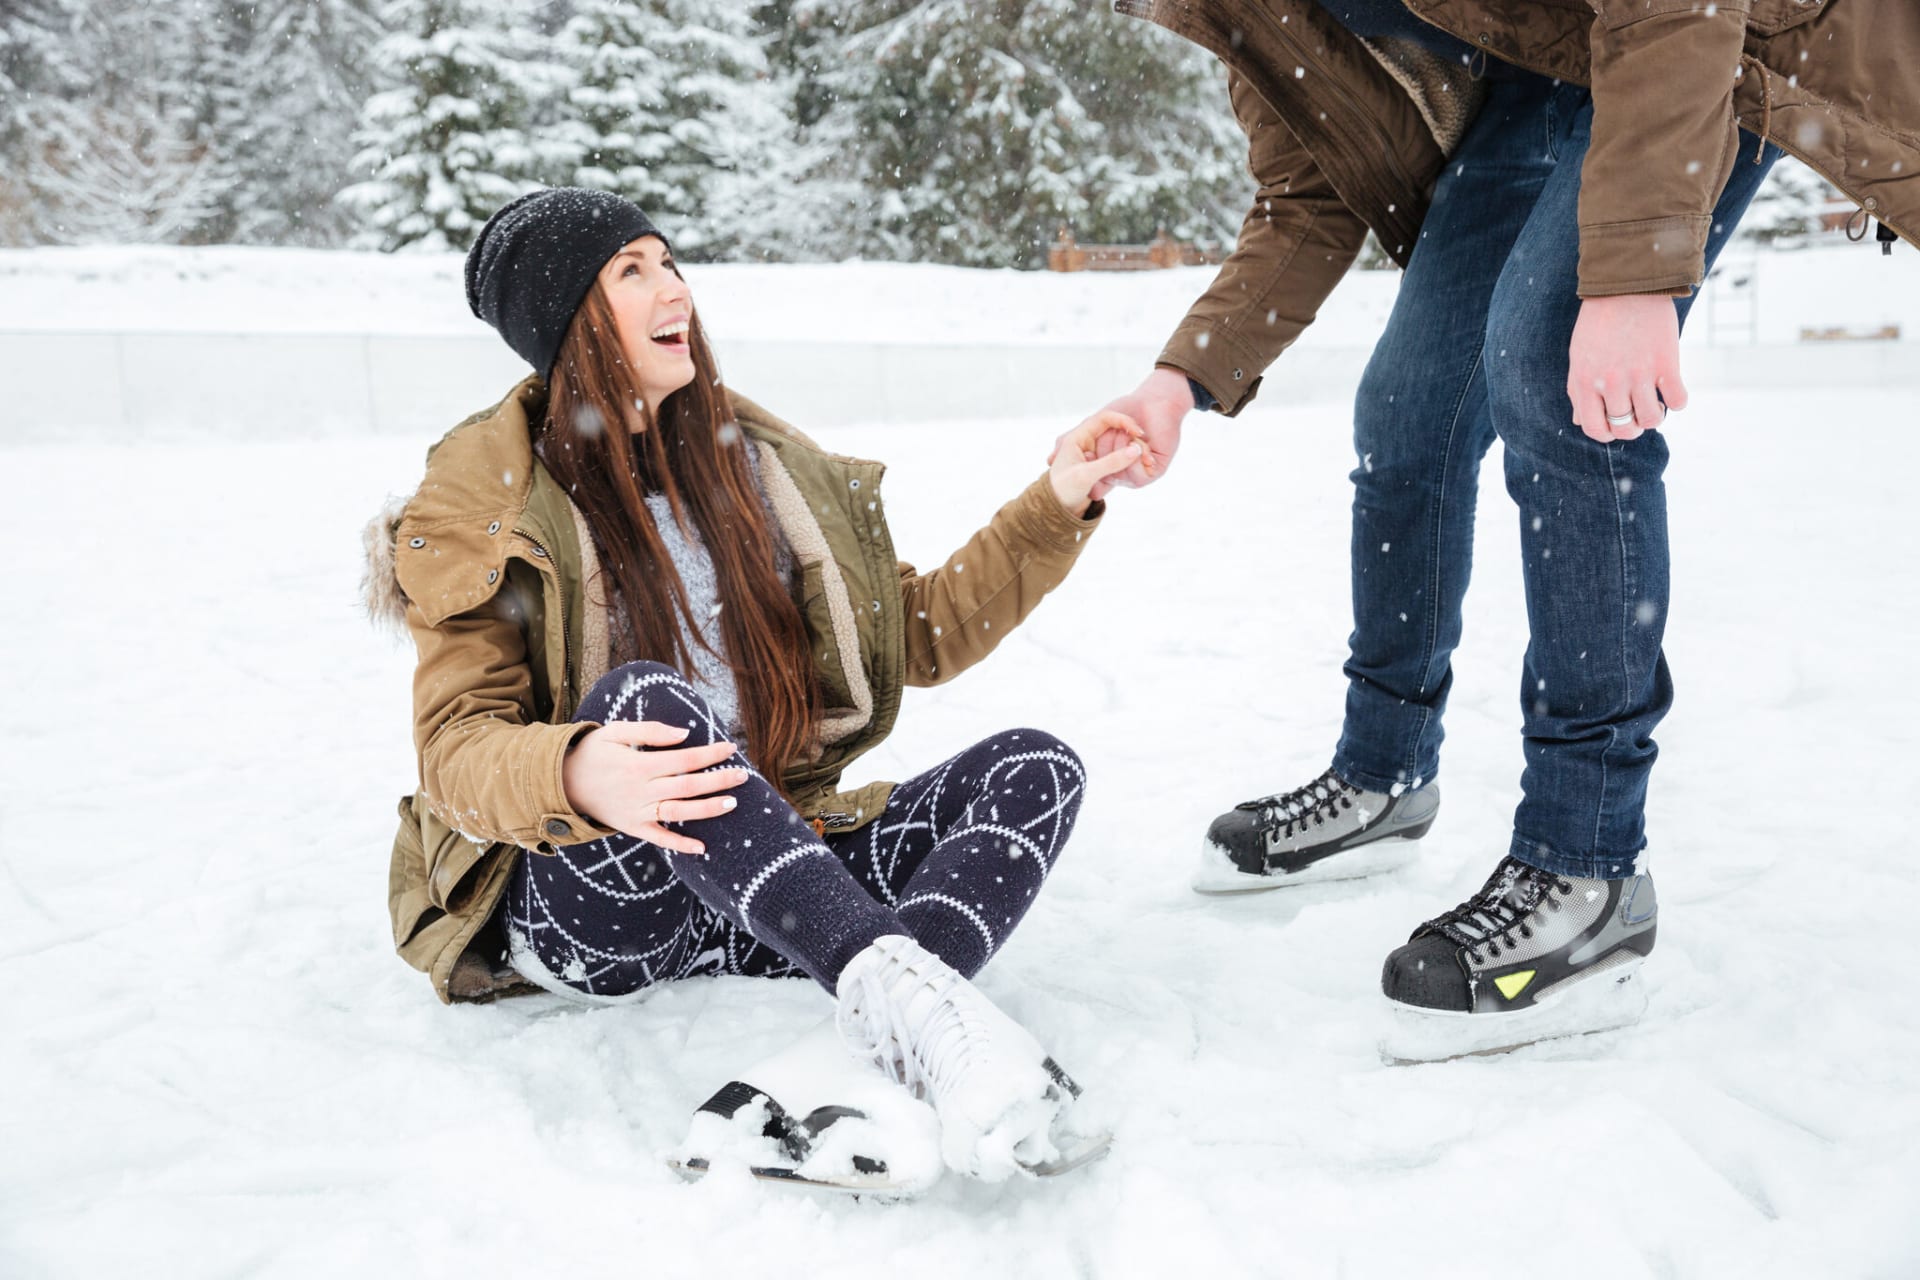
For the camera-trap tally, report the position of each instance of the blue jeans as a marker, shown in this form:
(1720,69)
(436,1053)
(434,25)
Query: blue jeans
(1477,348)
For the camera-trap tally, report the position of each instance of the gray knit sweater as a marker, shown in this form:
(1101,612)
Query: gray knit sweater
(711,674)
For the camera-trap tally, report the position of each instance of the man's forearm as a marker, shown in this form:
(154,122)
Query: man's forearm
(1295,245)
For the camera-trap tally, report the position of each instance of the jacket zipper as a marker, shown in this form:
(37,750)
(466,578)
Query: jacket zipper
(825,822)
(549,570)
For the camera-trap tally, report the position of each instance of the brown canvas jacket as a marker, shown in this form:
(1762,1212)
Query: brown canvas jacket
(1343,136)
(492,571)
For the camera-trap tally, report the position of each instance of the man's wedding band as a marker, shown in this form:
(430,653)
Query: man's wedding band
(1619,419)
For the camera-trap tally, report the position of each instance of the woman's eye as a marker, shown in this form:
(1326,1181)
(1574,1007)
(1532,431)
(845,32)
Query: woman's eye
(631,270)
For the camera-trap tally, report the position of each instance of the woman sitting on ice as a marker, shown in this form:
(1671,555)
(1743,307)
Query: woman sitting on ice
(654,625)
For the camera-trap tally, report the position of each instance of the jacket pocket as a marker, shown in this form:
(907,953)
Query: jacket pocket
(1771,17)
(409,903)
(451,860)
(828,662)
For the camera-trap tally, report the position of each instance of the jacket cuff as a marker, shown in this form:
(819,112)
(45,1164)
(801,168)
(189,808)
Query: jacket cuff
(1649,255)
(1043,521)
(1218,360)
(559,822)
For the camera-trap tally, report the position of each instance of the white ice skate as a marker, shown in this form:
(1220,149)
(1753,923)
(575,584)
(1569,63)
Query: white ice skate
(812,1115)
(1001,1100)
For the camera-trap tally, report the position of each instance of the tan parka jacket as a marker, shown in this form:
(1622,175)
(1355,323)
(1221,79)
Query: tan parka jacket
(1346,134)
(493,572)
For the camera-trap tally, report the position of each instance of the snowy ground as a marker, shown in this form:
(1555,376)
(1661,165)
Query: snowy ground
(215,1065)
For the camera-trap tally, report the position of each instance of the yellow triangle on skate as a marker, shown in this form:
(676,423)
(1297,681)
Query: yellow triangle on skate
(1512,984)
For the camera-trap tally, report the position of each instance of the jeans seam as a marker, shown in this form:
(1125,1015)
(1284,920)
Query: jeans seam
(1410,758)
(1626,680)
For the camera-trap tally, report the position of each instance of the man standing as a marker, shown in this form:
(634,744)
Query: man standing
(1555,183)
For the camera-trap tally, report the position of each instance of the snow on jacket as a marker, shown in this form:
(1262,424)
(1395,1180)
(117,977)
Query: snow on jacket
(486,567)
(1346,134)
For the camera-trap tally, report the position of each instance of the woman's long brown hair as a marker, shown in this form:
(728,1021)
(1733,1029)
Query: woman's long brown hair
(696,454)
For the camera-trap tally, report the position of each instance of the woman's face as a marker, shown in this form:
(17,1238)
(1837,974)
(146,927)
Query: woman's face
(653,309)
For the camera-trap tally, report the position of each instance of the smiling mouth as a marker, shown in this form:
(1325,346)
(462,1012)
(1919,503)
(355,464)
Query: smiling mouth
(672,336)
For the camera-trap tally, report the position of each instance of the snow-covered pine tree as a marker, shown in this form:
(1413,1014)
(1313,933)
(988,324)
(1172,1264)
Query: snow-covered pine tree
(810,189)
(1788,207)
(979,129)
(454,129)
(116,145)
(33,75)
(285,105)
(670,98)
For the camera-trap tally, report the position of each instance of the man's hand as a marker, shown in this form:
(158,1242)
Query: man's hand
(1158,405)
(1624,362)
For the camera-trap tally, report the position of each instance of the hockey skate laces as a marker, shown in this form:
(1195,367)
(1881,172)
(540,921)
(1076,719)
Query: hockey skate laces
(1510,900)
(1319,799)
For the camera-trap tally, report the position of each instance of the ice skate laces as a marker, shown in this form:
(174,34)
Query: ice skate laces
(1319,800)
(924,1058)
(1514,899)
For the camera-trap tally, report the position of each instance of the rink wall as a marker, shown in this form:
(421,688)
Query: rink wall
(63,383)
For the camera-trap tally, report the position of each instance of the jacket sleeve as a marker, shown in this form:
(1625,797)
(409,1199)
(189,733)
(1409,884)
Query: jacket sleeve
(488,768)
(1664,141)
(1296,243)
(956,614)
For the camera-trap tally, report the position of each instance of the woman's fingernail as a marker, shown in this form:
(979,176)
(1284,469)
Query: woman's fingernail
(728,802)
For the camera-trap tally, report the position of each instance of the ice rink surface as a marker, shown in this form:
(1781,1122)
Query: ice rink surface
(215,1065)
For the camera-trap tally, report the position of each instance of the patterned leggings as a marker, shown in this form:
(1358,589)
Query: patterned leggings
(954,861)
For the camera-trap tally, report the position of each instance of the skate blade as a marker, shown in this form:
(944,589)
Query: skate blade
(1612,1000)
(1077,1152)
(1218,876)
(874,1186)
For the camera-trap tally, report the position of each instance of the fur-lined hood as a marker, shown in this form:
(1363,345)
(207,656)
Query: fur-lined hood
(380,593)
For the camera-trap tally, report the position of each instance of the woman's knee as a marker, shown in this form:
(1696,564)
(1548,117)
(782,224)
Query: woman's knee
(1037,745)
(646,690)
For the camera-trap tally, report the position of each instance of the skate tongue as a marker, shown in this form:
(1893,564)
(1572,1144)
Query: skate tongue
(1514,887)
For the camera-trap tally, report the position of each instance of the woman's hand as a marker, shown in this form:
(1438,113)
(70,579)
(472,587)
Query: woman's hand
(636,791)
(1077,462)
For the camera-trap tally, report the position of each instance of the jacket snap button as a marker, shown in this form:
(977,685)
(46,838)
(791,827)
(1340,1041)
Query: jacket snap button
(493,528)
(493,576)
(1236,375)
(1871,203)
(556,827)
(853,484)
(1485,38)
(416,542)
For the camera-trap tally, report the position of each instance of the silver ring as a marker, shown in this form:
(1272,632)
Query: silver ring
(1619,419)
